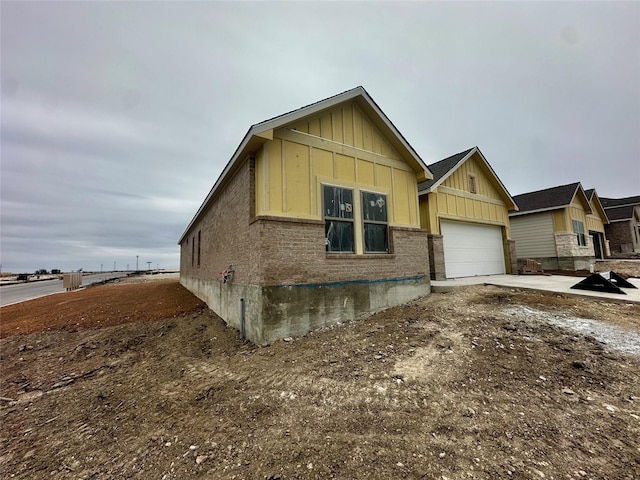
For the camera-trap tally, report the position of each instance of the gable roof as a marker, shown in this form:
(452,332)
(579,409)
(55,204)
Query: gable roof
(261,132)
(618,202)
(553,198)
(444,168)
(594,200)
(619,214)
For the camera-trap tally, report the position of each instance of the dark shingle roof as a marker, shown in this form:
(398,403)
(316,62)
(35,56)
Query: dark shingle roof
(589,193)
(441,168)
(619,213)
(617,202)
(547,199)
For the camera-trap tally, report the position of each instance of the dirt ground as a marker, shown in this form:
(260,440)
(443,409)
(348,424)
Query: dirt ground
(142,381)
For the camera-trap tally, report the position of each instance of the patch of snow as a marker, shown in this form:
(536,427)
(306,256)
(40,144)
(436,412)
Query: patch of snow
(615,338)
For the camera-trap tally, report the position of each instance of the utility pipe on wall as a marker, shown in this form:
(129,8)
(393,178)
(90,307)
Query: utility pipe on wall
(242,319)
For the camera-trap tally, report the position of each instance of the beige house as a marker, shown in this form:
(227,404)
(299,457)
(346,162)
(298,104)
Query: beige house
(465,209)
(313,221)
(554,225)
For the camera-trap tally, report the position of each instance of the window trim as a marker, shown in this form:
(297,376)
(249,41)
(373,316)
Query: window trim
(351,220)
(578,229)
(374,222)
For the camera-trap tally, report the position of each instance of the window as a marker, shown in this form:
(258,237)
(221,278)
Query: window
(338,219)
(374,218)
(472,184)
(199,248)
(578,229)
(193,250)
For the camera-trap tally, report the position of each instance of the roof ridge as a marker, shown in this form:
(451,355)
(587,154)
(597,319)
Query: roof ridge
(549,188)
(309,105)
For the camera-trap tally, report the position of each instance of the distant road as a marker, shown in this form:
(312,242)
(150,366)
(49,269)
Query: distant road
(28,291)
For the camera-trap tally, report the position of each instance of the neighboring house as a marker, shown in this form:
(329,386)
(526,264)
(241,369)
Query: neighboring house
(623,230)
(465,209)
(317,213)
(596,225)
(551,227)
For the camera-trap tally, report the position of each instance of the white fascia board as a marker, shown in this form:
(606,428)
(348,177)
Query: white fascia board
(540,210)
(296,115)
(504,189)
(451,170)
(584,195)
(216,185)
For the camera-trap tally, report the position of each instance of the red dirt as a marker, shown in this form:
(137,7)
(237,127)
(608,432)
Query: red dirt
(97,307)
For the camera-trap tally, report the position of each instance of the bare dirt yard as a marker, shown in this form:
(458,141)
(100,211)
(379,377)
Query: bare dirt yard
(142,381)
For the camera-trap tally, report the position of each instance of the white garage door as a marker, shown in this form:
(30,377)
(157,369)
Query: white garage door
(471,249)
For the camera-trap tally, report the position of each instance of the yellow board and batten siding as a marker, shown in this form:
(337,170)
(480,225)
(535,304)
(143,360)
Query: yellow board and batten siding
(562,219)
(341,147)
(452,200)
(595,222)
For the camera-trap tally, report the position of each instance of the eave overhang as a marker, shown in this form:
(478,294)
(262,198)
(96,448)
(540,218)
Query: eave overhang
(261,132)
(510,203)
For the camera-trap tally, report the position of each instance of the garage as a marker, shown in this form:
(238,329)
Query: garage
(472,249)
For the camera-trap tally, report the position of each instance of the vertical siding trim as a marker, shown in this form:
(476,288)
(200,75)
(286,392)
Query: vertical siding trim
(355,170)
(335,165)
(393,185)
(284,175)
(333,132)
(266,200)
(311,182)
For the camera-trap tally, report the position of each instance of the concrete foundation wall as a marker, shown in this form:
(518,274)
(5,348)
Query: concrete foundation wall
(224,300)
(275,312)
(294,310)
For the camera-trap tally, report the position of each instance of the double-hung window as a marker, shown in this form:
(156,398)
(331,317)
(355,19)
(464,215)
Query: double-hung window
(375,222)
(578,229)
(338,219)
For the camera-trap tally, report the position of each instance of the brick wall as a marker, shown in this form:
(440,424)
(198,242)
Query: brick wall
(292,252)
(436,257)
(620,236)
(224,232)
(512,266)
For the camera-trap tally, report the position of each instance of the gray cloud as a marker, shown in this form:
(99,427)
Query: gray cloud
(117,117)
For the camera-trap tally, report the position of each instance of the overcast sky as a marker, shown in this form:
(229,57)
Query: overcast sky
(117,117)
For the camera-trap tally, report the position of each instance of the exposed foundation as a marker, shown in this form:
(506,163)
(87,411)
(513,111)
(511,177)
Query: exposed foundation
(275,312)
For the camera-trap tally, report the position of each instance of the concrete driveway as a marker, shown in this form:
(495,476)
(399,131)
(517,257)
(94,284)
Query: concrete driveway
(544,283)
